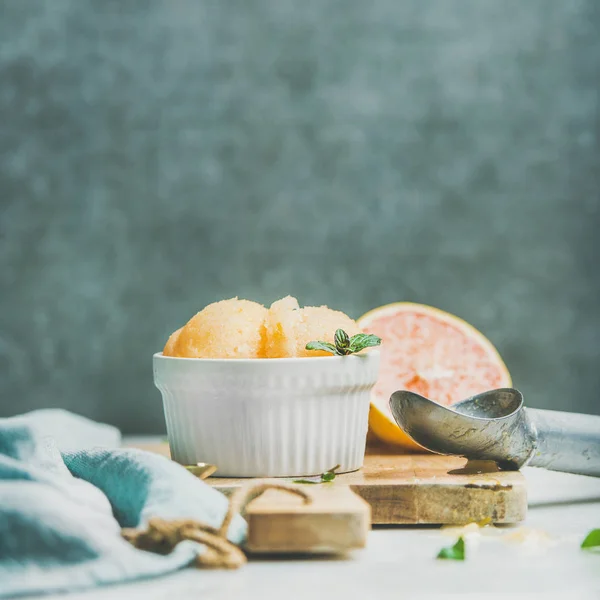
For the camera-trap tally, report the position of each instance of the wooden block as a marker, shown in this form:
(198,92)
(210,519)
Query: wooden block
(410,489)
(336,520)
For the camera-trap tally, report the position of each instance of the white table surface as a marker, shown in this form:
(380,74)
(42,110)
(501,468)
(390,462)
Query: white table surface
(399,562)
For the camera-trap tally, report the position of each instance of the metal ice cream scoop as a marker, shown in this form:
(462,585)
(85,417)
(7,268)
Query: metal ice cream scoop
(496,426)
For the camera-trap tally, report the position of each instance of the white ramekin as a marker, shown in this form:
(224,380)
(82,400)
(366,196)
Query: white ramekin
(278,417)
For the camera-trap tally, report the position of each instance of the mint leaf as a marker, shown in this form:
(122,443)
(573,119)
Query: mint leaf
(330,475)
(325,346)
(360,341)
(592,540)
(345,345)
(325,477)
(342,341)
(456,552)
(305,481)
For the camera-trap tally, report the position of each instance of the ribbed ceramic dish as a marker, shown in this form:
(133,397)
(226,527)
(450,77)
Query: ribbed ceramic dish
(281,417)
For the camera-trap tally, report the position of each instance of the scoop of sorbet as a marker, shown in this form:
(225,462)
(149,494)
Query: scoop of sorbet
(226,329)
(290,328)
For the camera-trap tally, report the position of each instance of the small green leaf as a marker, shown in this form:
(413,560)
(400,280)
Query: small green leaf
(342,341)
(360,341)
(305,481)
(325,477)
(592,540)
(325,346)
(456,552)
(345,345)
(330,475)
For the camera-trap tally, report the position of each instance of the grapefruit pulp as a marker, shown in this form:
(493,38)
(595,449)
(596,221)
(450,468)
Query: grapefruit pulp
(432,353)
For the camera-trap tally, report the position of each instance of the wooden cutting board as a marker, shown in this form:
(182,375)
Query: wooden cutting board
(411,489)
(423,489)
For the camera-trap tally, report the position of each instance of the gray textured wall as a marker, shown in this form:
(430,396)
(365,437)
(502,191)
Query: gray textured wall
(157,156)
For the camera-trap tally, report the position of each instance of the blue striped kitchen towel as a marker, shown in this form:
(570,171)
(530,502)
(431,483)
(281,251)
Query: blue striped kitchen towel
(66,489)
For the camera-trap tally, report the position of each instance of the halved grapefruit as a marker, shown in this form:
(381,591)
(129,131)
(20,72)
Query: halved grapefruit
(431,352)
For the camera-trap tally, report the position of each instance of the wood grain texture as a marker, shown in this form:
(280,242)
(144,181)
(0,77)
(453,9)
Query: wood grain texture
(336,520)
(410,489)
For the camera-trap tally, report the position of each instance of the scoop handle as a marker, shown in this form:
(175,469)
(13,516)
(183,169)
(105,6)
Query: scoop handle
(568,442)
